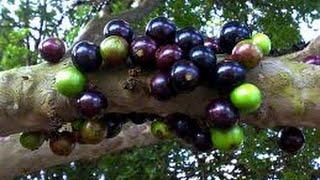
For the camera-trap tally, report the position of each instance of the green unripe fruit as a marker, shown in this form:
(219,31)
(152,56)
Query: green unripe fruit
(92,132)
(70,82)
(263,42)
(77,124)
(114,50)
(160,130)
(227,139)
(246,97)
(32,140)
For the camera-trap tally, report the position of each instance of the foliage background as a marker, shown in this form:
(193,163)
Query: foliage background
(23,24)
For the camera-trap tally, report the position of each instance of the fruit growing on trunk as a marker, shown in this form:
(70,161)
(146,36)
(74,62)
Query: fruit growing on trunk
(62,144)
(93,131)
(91,103)
(161,30)
(32,140)
(114,50)
(118,27)
(70,82)
(291,139)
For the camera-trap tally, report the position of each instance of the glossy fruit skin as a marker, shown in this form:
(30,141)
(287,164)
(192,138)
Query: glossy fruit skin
(118,27)
(247,54)
(93,132)
(161,30)
(221,114)
(70,82)
(182,125)
(263,42)
(160,86)
(204,59)
(229,74)
(86,56)
(91,103)
(213,44)
(160,130)
(167,55)
(246,97)
(202,141)
(291,139)
(184,76)
(113,122)
(312,59)
(143,51)
(32,140)
(227,139)
(114,50)
(232,33)
(187,38)
(62,144)
(52,49)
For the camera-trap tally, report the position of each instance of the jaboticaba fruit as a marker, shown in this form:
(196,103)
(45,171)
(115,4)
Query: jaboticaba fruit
(213,44)
(291,139)
(184,76)
(114,50)
(202,141)
(229,74)
(167,55)
(227,139)
(113,122)
(160,130)
(204,59)
(52,49)
(263,42)
(32,140)
(86,56)
(91,103)
(246,97)
(143,50)
(93,131)
(247,54)
(161,30)
(312,59)
(187,38)
(118,27)
(232,33)
(221,113)
(62,144)
(181,124)
(70,82)
(160,86)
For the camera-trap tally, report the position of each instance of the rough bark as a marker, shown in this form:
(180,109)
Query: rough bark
(28,101)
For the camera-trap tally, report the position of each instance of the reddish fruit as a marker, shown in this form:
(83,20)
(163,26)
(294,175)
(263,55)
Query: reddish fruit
(52,49)
(167,55)
(247,54)
(62,144)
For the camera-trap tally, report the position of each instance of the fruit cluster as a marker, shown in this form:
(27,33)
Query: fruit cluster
(184,59)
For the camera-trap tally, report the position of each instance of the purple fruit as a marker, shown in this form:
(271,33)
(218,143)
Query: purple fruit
(313,59)
(167,55)
(204,59)
(229,74)
(52,49)
(221,114)
(187,38)
(143,51)
(91,103)
(182,125)
(161,30)
(118,27)
(160,86)
(213,44)
(86,56)
(232,33)
(184,76)
(291,139)
(202,141)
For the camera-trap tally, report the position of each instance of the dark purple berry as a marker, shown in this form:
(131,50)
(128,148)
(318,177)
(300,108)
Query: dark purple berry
(202,141)
(213,44)
(160,86)
(229,74)
(221,114)
(184,76)
(52,49)
(187,38)
(86,56)
(118,27)
(143,51)
(161,30)
(62,144)
(313,59)
(291,139)
(91,103)
(167,55)
(232,33)
(114,123)
(204,59)
(182,125)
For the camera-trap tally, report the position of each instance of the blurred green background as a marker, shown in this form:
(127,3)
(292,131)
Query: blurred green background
(289,23)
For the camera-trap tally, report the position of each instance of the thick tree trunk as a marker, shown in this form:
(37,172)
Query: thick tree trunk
(28,101)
